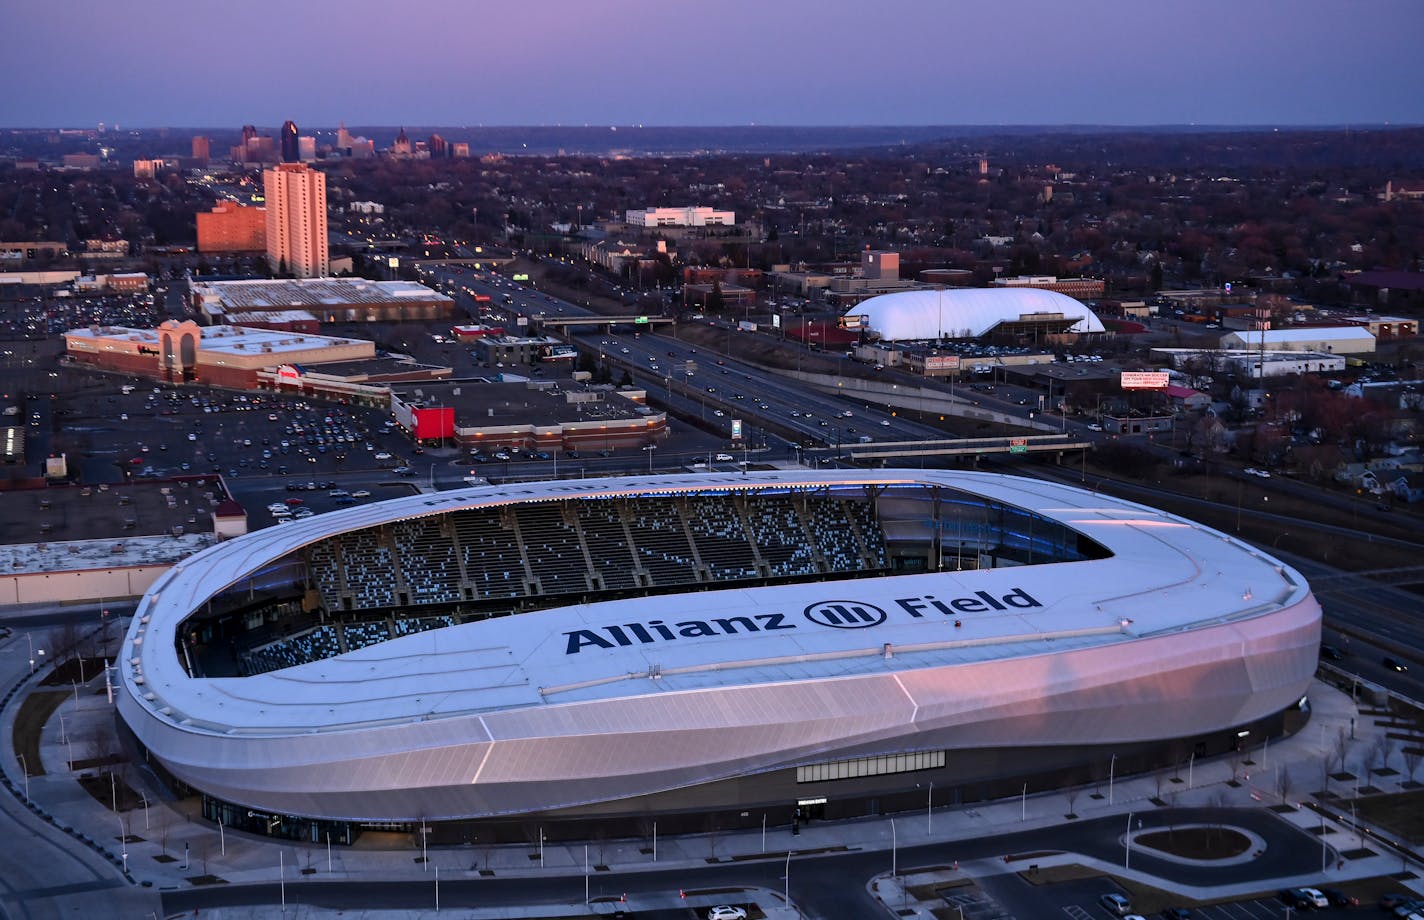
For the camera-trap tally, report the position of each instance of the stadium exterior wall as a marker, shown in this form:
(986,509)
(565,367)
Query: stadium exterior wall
(403,745)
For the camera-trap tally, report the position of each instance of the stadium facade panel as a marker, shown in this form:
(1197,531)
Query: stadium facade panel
(870,613)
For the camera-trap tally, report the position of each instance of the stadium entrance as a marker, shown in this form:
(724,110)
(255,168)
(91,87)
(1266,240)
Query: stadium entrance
(284,827)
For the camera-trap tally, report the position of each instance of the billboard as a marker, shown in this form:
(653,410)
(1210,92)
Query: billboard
(434,423)
(1144,380)
(557,353)
(942,363)
(736,429)
(853,321)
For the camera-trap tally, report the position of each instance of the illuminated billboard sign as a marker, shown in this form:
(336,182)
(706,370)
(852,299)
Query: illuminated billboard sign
(1144,380)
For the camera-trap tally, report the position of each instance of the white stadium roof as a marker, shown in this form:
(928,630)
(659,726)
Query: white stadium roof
(966,313)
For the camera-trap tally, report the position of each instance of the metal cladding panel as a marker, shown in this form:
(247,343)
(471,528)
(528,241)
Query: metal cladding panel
(545,711)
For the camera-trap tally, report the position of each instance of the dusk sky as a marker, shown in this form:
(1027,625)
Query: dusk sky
(74,63)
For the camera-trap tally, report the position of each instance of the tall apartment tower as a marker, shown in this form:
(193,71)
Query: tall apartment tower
(202,148)
(290,151)
(296,220)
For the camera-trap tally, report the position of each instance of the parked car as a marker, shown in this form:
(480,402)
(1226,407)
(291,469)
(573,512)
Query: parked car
(725,912)
(1116,904)
(1338,898)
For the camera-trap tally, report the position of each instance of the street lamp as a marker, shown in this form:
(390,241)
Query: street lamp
(33,653)
(1112,765)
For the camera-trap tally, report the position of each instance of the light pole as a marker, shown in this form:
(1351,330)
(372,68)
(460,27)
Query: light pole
(1127,857)
(894,850)
(929,811)
(786,891)
(123,843)
(26,770)
(1112,766)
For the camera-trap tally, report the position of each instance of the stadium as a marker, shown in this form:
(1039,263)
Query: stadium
(971,313)
(703,650)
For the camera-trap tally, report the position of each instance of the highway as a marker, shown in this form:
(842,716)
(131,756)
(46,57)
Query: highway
(693,382)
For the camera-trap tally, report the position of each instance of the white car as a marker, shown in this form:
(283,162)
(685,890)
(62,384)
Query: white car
(724,912)
(383,456)
(1317,897)
(361,493)
(723,458)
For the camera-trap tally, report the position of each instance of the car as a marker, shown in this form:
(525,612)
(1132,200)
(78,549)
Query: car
(1338,898)
(726,912)
(294,501)
(383,455)
(723,458)
(1395,665)
(885,422)
(1116,904)
(1332,653)
(1094,426)
(718,412)
(1301,898)
(1391,901)
(1176,913)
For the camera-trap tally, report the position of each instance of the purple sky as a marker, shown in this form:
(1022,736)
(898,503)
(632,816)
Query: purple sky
(198,63)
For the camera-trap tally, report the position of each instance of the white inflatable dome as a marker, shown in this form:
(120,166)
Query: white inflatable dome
(965,313)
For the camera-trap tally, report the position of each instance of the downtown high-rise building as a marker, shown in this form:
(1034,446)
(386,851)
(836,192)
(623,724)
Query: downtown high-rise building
(290,140)
(296,220)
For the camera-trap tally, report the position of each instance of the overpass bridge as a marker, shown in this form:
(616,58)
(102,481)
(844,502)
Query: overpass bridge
(952,447)
(567,322)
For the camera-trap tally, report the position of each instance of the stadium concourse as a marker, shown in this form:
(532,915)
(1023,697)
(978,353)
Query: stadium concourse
(702,650)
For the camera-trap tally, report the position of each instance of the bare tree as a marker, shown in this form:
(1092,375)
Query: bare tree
(1071,794)
(1283,784)
(1412,756)
(1339,750)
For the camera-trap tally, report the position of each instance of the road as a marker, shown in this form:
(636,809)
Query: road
(829,886)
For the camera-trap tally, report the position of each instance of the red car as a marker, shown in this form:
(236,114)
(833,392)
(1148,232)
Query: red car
(293,502)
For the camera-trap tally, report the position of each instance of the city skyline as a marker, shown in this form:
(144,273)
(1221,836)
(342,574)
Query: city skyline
(908,62)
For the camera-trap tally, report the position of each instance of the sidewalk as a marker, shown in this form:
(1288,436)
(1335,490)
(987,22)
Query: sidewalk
(166,845)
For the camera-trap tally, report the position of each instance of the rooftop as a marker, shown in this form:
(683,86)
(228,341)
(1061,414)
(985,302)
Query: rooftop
(316,292)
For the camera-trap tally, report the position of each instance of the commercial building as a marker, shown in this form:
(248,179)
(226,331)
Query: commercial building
(289,137)
(226,356)
(296,221)
(680,217)
(702,650)
(1344,340)
(527,414)
(1080,288)
(330,300)
(232,227)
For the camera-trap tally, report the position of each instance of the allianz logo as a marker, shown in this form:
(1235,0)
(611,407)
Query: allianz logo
(835,614)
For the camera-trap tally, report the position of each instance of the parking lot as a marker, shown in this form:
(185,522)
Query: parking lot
(158,431)
(1011,896)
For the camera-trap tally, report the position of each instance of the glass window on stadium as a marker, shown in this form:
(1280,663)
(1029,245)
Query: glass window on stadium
(270,824)
(870,766)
